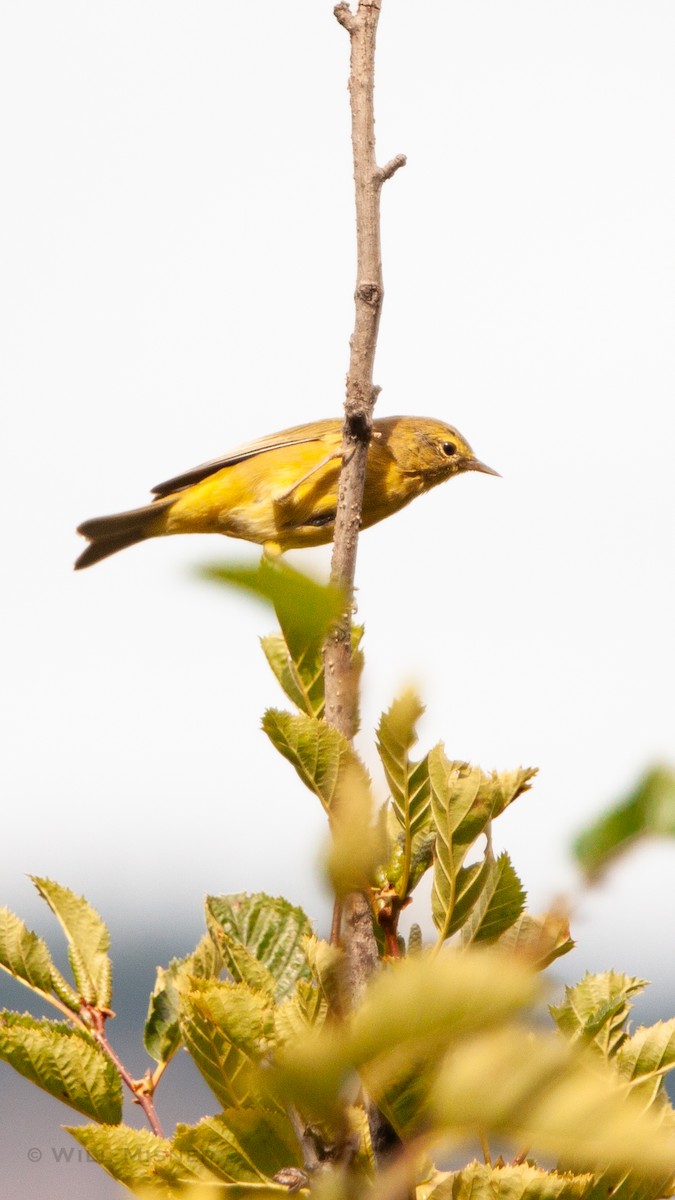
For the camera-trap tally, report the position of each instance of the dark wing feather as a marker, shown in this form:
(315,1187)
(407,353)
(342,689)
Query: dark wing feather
(275,441)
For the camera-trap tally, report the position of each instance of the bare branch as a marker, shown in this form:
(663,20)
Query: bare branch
(353,921)
(391,167)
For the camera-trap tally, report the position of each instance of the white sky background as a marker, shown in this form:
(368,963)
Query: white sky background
(177,245)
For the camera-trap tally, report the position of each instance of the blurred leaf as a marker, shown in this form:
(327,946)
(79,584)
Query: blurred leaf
(246,1145)
(272,933)
(646,1057)
(499,904)
(538,939)
(305,609)
(357,845)
(407,1012)
(23,954)
(162,1035)
(650,809)
(539,1091)
(88,941)
(64,1062)
(524,1182)
(320,754)
(228,1030)
(596,1010)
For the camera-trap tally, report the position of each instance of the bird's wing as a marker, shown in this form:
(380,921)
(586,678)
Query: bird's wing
(315,431)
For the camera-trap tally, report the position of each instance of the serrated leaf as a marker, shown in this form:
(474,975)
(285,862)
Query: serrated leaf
(246,1145)
(270,929)
(88,941)
(539,939)
(454,788)
(538,1090)
(499,905)
(281,664)
(64,1062)
(320,754)
(646,1057)
(162,1035)
(408,781)
(649,809)
(596,1010)
(133,1157)
(23,954)
(305,1010)
(480,1182)
(228,1030)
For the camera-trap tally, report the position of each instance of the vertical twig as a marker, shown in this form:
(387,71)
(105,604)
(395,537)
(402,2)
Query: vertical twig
(361,954)
(354,925)
(361,391)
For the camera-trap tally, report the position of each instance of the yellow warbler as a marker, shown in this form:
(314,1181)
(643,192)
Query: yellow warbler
(281,491)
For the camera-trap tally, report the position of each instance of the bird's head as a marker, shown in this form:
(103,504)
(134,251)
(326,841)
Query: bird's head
(431,449)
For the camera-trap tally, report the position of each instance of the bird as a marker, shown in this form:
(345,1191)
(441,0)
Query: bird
(281,491)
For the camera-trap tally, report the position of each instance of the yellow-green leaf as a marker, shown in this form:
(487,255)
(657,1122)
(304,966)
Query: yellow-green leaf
(64,1062)
(499,904)
(88,941)
(271,932)
(320,754)
(596,1010)
(245,1145)
(23,954)
(228,1029)
(480,1182)
(162,1035)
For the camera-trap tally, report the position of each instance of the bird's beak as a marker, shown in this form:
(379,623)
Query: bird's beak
(477,465)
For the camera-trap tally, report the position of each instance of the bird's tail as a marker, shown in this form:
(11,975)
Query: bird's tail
(107,535)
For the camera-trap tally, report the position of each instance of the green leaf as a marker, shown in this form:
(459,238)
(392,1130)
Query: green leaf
(524,1182)
(245,1145)
(454,790)
(596,1010)
(162,1035)
(306,695)
(499,905)
(228,1029)
(650,809)
(88,941)
(320,754)
(408,781)
(296,659)
(64,1062)
(646,1057)
(538,939)
(133,1157)
(306,609)
(271,932)
(23,954)
(463,802)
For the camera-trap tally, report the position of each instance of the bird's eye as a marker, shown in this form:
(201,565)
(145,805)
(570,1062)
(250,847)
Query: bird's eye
(449,448)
